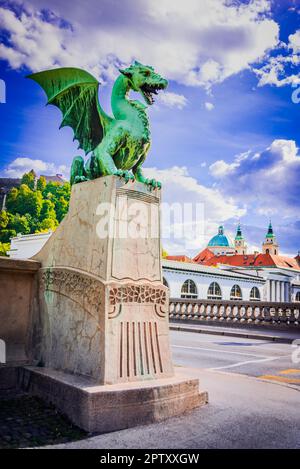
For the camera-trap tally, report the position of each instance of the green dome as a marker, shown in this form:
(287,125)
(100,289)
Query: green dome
(220,239)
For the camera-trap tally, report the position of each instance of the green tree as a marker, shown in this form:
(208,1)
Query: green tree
(28,201)
(48,210)
(46,225)
(4,247)
(34,207)
(41,183)
(29,179)
(19,223)
(60,195)
(5,235)
(62,207)
(4,219)
(11,200)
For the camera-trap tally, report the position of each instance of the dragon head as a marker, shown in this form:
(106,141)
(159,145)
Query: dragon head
(143,79)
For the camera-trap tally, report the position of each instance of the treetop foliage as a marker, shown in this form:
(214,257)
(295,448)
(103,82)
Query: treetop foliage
(35,206)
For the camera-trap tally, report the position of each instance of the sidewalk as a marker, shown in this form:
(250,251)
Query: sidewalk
(243,412)
(261,333)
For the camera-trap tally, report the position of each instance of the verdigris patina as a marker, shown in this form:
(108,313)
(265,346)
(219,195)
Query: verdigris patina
(119,144)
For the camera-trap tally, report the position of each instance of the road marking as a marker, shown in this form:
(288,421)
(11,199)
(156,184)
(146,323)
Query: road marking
(244,363)
(290,371)
(281,379)
(223,351)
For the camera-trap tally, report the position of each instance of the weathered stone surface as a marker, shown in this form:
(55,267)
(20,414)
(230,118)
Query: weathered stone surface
(76,242)
(103,307)
(113,407)
(18,292)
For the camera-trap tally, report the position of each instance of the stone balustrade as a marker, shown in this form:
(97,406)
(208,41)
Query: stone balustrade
(235,312)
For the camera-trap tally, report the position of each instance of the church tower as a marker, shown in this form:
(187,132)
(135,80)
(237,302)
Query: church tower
(270,245)
(239,242)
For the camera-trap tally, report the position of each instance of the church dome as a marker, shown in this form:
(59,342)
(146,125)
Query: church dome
(220,239)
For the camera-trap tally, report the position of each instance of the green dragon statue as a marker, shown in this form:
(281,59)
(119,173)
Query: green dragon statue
(119,145)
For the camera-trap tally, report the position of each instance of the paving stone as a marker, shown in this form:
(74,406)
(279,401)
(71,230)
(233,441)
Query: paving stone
(27,421)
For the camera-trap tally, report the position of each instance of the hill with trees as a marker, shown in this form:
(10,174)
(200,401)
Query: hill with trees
(35,206)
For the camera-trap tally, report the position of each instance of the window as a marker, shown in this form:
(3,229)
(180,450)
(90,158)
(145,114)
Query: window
(236,293)
(254,294)
(297,298)
(214,291)
(165,282)
(189,289)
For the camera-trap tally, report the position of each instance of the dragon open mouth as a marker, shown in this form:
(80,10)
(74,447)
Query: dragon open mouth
(148,91)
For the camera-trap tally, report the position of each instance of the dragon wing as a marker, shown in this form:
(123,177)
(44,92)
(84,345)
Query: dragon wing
(75,93)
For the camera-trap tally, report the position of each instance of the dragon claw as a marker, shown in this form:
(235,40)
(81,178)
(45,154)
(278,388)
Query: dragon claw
(80,179)
(154,184)
(127,175)
(151,183)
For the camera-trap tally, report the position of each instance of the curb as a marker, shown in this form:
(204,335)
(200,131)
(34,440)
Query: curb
(246,335)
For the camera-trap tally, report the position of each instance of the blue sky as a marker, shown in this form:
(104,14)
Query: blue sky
(226,133)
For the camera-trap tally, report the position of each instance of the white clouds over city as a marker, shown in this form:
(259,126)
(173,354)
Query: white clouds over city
(179,187)
(270,180)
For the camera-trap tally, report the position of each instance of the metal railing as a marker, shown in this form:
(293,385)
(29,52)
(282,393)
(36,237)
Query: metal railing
(235,312)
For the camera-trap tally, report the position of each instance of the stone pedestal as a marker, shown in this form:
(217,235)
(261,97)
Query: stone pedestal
(116,406)
(103,311)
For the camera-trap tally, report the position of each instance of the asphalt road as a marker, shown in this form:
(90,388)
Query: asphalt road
(254,399)
(260,358)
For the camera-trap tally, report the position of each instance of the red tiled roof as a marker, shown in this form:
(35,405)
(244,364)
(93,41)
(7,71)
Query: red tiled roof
(248,260)
(203,256)
(180,258)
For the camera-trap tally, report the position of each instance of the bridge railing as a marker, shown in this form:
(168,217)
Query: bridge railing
(235,312)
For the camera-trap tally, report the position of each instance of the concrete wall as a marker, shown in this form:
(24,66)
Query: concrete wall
(17,293)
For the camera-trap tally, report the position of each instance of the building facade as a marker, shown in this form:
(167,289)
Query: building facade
(190,280)
(281,273)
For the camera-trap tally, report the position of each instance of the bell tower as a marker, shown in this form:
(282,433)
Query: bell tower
(239,242)
(270,245)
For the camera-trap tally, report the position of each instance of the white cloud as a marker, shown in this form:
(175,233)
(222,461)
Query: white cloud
(19,166)
(294,42)
(172,100)
(181,188)
(283,68)
(269,180)
(220,168)
(192,42)
(209,106)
